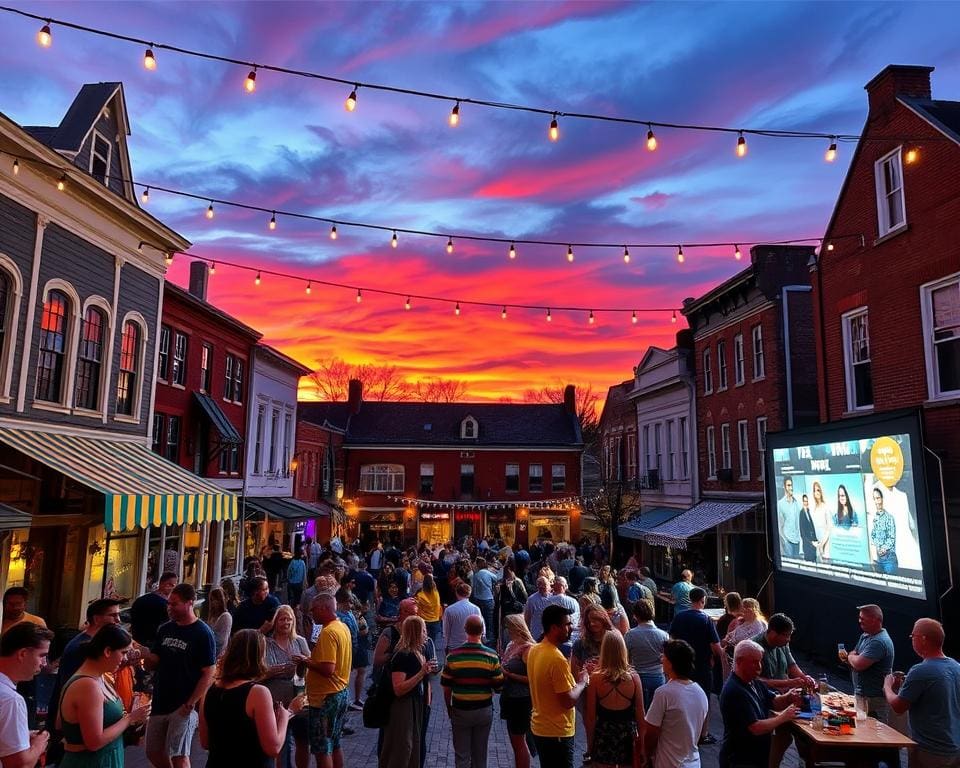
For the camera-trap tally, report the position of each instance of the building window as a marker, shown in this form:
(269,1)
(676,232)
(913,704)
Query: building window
(90,360)
(513,478)
(535,478)
(658,445)
(941,325)
(648,462)
(721,365)
(179,358)
(127,381)
(558,478)
(274,445)
(328,474)
(53,343)
(100,159)
(163,354)
(743,445)
(206,361)
(258,445)
(856,333)
(738,359)
(670,468)
(682,448)
(725,446)
(172,449)
(707,373)
(711,454)
(891,209)
(762,444)
(6,315)
(468,428)
(759,366)
(632,456)
(466,479)
(156,436)
(233,380)
(426,478)
(381,478)
(287,438)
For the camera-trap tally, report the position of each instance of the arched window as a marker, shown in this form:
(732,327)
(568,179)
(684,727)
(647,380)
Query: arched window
(468,428)
(53,345)
(128,382)
(5,299)
(90,360)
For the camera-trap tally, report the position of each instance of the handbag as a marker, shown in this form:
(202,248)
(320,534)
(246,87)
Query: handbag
(376,708)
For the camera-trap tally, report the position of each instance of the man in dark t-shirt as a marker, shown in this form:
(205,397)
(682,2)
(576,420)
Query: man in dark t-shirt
(694,626)
(149,611)
(256,612)
(183,657)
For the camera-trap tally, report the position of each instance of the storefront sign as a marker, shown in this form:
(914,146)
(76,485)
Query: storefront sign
(500,517)
(434,516)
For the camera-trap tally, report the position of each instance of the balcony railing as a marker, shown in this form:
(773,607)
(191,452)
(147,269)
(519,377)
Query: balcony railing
(651,481)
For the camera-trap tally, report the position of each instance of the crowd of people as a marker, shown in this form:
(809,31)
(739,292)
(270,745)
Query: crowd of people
(267,671)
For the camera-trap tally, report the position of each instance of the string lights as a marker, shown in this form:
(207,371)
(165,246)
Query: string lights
(209,213)
(359,296)
(736,252)
(831,154)
(741,146)
(45,35)
(309,287)
(250,84)
(570,253)
(62,182)
(680,257)
(273,221)
(149,60)
(16,166)
(455,115)
(449,245)
(145,197)
(257,280)
(333,232)
(512,253)
(554,132)
(351,102)
(393,240)
(626,255)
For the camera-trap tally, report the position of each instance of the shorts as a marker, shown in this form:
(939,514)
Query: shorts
(299,726)
(171,734)
(517,714)
(361,655)
(326,723)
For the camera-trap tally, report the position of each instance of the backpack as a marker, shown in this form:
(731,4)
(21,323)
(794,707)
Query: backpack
(376,708)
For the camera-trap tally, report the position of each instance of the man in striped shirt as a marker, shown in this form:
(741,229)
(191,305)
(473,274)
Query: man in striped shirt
(470,677)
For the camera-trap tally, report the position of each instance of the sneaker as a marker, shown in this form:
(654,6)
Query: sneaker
(357,706)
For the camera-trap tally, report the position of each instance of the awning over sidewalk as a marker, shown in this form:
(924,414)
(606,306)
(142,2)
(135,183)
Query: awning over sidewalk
(140,488)
(696,520)
(647,521)
(11,518)
(284,508)
(218,419)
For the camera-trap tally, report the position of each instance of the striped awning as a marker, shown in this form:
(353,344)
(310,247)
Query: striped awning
(694,521)
(139,487)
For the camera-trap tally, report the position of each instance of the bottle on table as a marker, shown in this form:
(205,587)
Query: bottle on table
(824,685)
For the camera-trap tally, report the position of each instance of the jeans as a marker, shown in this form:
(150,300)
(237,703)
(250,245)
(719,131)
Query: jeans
(471,736)
(435,633)
(650,684)
(486,610)
(555,751)
(791,549)
(887,563)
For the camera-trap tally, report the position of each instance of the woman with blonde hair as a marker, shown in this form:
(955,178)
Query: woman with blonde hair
(409,673)
(516,705)
(821,520)
(283,645)
(219,618)
(594,624)
(239,723)
(750,624)
(614,706)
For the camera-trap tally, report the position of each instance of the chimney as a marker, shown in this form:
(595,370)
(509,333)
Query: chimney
(570,399)
(355,396)
(199,274)
(897,80)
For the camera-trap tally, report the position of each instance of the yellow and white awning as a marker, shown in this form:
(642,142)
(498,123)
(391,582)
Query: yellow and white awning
(140,488)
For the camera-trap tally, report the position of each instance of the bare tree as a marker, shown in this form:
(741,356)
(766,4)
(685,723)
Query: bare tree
(331,379)
(437,390)
(587,402)
(615,503)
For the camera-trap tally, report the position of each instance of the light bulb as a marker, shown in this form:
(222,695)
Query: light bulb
(912,154)
(449,245)
(168,258)
(591,319)
(250,84)
(455,115)
(549,316)
(741,146)
(829,246)
(45,36)
(633,317)
(351,102)
(309,288)
(149,60)
(406,304)
(393,240)
(680,257)
(145,197)
(62,182)
(513,251)
(273,221)
(554,132)
(503,313)
(673,319)
(651,139)
(570,253)
(831,153)
(736,253)
(257,279)
(16,166)
(456,309)
(213,268)
(333,232)
(209,213)
(626,255)
(359,296)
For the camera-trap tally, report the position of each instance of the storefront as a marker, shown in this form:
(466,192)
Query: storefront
(382,526)
(502,525)
(467,523)
(435,527)
(277,522)
(549,525)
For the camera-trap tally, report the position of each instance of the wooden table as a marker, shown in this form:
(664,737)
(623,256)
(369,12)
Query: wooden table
(861,749)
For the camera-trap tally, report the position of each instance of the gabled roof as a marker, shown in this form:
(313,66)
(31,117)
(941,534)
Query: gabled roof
(205,306)
(438,424)
(278,357)
(692,305)
(324,414)
(81,117)
(942,115)
(617,398)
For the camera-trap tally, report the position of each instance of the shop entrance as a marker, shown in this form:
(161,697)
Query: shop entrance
(555,528)
(502,526)
(435,527)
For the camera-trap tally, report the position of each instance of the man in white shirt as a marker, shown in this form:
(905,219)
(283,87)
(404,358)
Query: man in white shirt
(23,651)
(560,597)
(533,610)
(454,618)
(677,718)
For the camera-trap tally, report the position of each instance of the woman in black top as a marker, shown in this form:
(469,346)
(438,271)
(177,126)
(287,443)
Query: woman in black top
(239,724)
(510,597)
(409,675)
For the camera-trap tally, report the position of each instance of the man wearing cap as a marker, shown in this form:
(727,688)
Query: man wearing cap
(553,690)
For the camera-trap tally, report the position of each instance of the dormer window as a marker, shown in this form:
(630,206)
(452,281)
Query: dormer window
(469,428)
(100,159)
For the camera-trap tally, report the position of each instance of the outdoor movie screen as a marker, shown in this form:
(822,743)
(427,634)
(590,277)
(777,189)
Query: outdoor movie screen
(846,511)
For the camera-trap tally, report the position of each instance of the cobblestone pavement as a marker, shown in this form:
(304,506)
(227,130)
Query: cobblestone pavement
(360,749)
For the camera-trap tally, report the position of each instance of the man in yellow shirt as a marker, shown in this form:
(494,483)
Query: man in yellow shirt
(15,609)
(328,675)
(553,690)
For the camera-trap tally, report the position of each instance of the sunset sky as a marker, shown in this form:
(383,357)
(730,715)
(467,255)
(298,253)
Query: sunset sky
(396,162)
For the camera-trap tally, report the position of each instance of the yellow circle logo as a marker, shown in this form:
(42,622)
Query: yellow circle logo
(886,459)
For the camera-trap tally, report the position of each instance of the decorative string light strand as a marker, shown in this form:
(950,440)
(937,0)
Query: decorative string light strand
(456,100)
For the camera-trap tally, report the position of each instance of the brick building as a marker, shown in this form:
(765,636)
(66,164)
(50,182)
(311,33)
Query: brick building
(319,473)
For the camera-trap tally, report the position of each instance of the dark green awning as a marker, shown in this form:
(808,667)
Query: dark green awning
(228,433)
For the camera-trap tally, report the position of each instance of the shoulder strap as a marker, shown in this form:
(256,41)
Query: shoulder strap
(63,692)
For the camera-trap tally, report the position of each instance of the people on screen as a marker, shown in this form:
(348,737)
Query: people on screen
(883,536)
(846,517)
(821,521)
(808,531)
(788,513)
